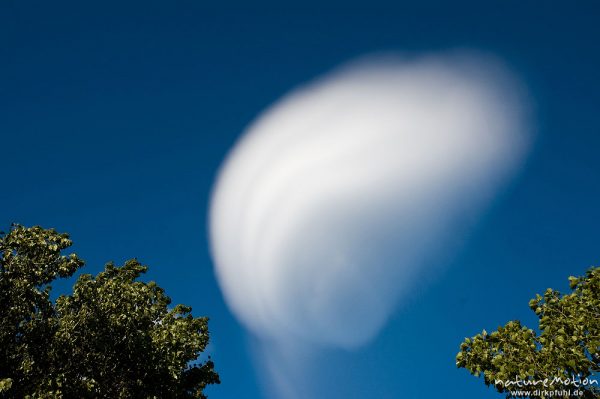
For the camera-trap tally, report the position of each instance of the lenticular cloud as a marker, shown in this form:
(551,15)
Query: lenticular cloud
(341,196)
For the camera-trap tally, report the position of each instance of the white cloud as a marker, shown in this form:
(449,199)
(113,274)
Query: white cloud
(344,193)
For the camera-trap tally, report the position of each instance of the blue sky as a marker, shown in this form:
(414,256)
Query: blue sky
(116,115)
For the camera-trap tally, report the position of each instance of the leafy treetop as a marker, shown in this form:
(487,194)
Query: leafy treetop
(566,347)
(113,337)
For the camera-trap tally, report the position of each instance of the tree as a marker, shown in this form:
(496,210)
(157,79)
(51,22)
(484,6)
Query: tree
(562,356)
(113,337)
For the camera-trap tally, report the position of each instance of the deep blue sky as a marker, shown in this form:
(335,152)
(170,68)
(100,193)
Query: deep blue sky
(114,117)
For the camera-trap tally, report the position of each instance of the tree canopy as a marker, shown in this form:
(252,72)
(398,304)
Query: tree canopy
(113,337)
(563,355)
